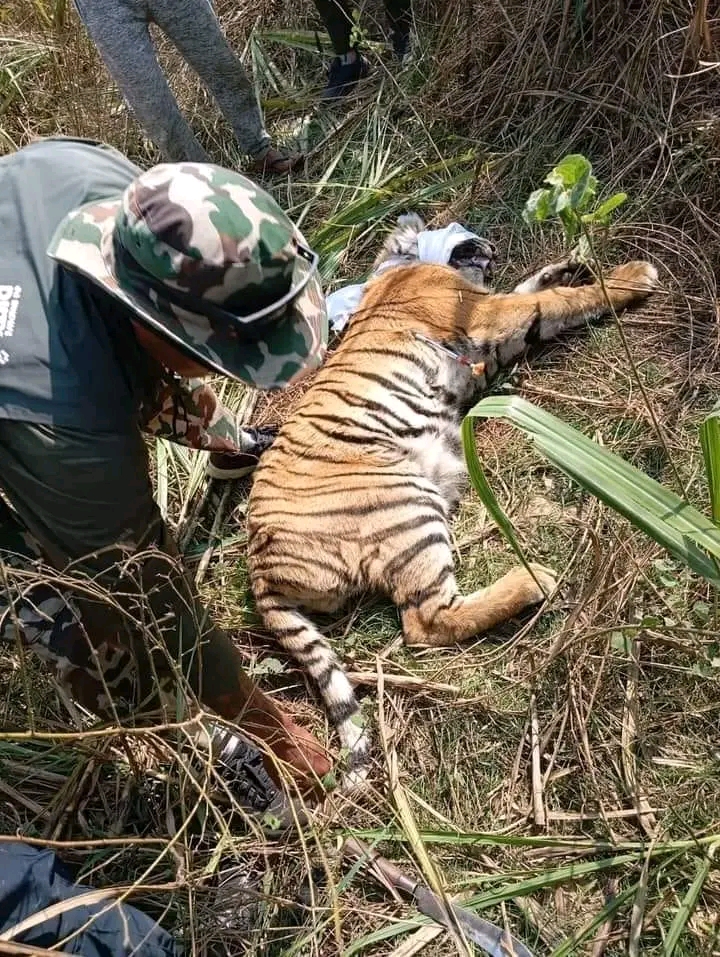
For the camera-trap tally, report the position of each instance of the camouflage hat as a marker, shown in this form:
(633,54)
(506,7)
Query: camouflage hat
(209,261)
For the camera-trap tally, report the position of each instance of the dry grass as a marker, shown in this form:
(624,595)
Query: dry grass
(612,696)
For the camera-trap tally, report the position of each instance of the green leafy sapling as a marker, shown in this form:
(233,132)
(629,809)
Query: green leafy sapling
(570,196)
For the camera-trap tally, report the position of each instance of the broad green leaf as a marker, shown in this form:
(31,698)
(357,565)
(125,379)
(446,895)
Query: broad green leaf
(559,201)
(537,208)
(570,171)
(602,213)
(574,191)
(570,223)
(710,442)
(582,192)
(588,195)
(660,513)
(487,496)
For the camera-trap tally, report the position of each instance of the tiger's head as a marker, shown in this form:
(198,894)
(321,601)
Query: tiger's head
(473,257)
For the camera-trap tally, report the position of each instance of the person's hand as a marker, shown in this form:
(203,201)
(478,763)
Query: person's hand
(234,465)
(262,718)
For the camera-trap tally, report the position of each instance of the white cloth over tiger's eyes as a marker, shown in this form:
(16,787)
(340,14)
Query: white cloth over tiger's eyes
(434,246)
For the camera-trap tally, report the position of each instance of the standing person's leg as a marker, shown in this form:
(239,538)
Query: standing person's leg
(87,498)
(119,30)
(194,29)
(337,17)
(349,65)
(399,14)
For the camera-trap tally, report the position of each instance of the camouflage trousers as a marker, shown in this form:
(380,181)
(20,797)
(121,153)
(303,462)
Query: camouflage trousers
(45,620)
(91,579)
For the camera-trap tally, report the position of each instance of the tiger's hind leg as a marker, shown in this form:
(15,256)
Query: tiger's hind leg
(435,614)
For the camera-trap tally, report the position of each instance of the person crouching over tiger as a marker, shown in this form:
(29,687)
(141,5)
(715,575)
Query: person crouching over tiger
(119,291)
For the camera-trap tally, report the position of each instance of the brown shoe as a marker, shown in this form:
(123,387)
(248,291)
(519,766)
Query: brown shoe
(275,163)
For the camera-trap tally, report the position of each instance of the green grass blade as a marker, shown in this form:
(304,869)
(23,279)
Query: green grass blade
(490,839)
(668,519)
(710,442)
(572,946)
(161,451)
(60,12)
(485,493)
(263,70)
(689,902)
(332,238)
(305,40)
(19,59)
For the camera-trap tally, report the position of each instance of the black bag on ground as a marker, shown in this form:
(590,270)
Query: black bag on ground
(32,879)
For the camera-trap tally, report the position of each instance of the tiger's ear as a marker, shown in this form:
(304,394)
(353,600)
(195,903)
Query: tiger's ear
(402,242)
(412,221)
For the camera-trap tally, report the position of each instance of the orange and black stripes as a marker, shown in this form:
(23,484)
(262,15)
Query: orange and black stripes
(356,493)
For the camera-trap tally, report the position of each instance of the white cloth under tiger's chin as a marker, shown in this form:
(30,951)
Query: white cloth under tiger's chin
(341,305)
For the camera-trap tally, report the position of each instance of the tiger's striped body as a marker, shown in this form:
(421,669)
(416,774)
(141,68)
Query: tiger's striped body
(357,492)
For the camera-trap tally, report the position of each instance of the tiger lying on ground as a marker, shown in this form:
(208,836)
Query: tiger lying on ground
(356,493)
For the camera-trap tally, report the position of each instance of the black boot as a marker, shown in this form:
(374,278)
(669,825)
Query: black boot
(401,43)
(343,77)
(240,765)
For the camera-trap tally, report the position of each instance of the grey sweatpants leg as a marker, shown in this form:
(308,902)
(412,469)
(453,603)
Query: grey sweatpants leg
(119,29)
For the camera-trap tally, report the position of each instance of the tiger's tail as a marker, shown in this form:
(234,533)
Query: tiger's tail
(298,637)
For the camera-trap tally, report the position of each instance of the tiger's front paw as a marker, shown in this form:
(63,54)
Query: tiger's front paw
(567,272)
(635,280)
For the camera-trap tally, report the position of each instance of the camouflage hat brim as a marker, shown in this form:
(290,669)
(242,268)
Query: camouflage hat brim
(287,349)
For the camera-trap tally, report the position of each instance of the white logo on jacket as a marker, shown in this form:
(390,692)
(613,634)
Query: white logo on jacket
(10,297)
